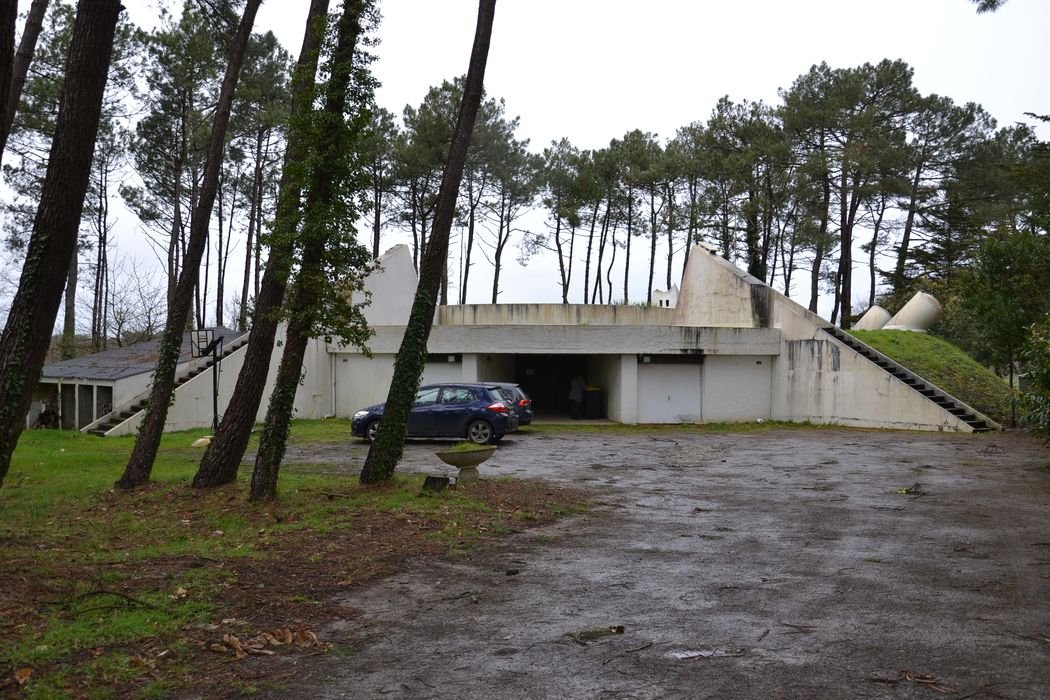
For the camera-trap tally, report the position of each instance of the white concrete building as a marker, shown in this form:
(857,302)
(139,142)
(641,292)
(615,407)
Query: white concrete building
(727,349)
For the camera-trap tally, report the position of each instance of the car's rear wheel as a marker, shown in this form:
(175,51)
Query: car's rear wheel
(480,432)
(372,430)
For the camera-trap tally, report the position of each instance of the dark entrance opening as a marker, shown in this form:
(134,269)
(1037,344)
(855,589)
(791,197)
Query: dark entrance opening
(546,379)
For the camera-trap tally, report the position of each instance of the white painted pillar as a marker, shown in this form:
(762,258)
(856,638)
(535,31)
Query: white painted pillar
(628,398)
(470,367)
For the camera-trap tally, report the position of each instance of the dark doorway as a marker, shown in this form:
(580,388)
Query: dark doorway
(546,379)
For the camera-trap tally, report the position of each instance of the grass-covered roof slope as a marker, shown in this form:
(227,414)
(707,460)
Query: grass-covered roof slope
(946,366)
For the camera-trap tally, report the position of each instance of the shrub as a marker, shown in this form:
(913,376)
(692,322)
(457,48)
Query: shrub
(1036,355)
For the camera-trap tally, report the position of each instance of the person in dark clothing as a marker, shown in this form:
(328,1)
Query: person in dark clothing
(576,397)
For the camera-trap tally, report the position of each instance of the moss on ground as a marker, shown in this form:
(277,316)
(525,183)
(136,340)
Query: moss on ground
(946,366)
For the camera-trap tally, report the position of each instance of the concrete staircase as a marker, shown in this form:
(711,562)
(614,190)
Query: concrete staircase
(104,425)
(979,422)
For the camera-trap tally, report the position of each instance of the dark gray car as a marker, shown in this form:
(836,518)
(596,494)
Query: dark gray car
(521,400)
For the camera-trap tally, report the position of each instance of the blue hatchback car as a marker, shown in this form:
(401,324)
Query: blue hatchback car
(480,413)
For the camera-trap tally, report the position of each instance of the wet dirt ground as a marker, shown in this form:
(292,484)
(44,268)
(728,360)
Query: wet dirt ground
(783,563)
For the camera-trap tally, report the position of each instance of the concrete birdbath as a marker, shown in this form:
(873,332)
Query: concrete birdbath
(466,459)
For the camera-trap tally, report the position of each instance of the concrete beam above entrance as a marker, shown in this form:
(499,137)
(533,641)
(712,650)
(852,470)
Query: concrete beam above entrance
(586,340)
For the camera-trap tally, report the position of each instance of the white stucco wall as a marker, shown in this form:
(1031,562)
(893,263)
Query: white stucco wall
(392,290)
(493,368)
(618,375)
(192,407)
(361,381)
(441,372)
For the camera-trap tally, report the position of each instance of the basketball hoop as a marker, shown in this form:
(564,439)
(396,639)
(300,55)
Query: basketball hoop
(200,340)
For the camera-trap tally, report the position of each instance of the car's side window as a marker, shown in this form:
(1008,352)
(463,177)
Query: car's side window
(426,397)
(456,395)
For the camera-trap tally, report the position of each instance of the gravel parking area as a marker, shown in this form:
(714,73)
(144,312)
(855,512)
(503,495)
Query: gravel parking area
(782,563)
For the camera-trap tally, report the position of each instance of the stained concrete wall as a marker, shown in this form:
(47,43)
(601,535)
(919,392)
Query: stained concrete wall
(814,377)
(715,293)
(554,315)
(819,379)
(583,340)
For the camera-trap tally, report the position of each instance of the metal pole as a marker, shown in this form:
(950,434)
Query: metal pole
(215,387)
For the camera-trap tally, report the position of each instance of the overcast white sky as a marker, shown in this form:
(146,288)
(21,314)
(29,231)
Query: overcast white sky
(590,70)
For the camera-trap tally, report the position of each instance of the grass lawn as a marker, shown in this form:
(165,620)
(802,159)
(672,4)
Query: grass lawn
(945,365)
(167,588)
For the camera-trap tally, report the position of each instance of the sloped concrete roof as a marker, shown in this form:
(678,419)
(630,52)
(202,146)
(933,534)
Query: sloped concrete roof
(120,363)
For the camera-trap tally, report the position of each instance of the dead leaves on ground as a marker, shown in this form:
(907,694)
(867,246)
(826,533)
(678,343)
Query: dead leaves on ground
(267,643)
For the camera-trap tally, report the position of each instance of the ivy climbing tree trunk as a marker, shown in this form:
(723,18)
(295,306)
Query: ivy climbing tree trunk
(386,451)
(8,15)
(327,183)
(24,342)
(18,68)
(139,466)
(223,456)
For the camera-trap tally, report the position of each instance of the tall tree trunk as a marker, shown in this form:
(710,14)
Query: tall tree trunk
(466,258)
(254,217)
(18,69)
(877,227)
(835,305)
(561,259)
(627,254)
(69,320)
(223,456)
(305,290)
(818,253)
(385,452)
(898,280)
(789,267)
(8,16)
(377,210)
(568,273)
(846,254)
(603,236)
(652,247)
(174,247)
(755,267)
(590,246)
(694,225)
(139,466)
(27,333)
(669,196)
(497,257)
